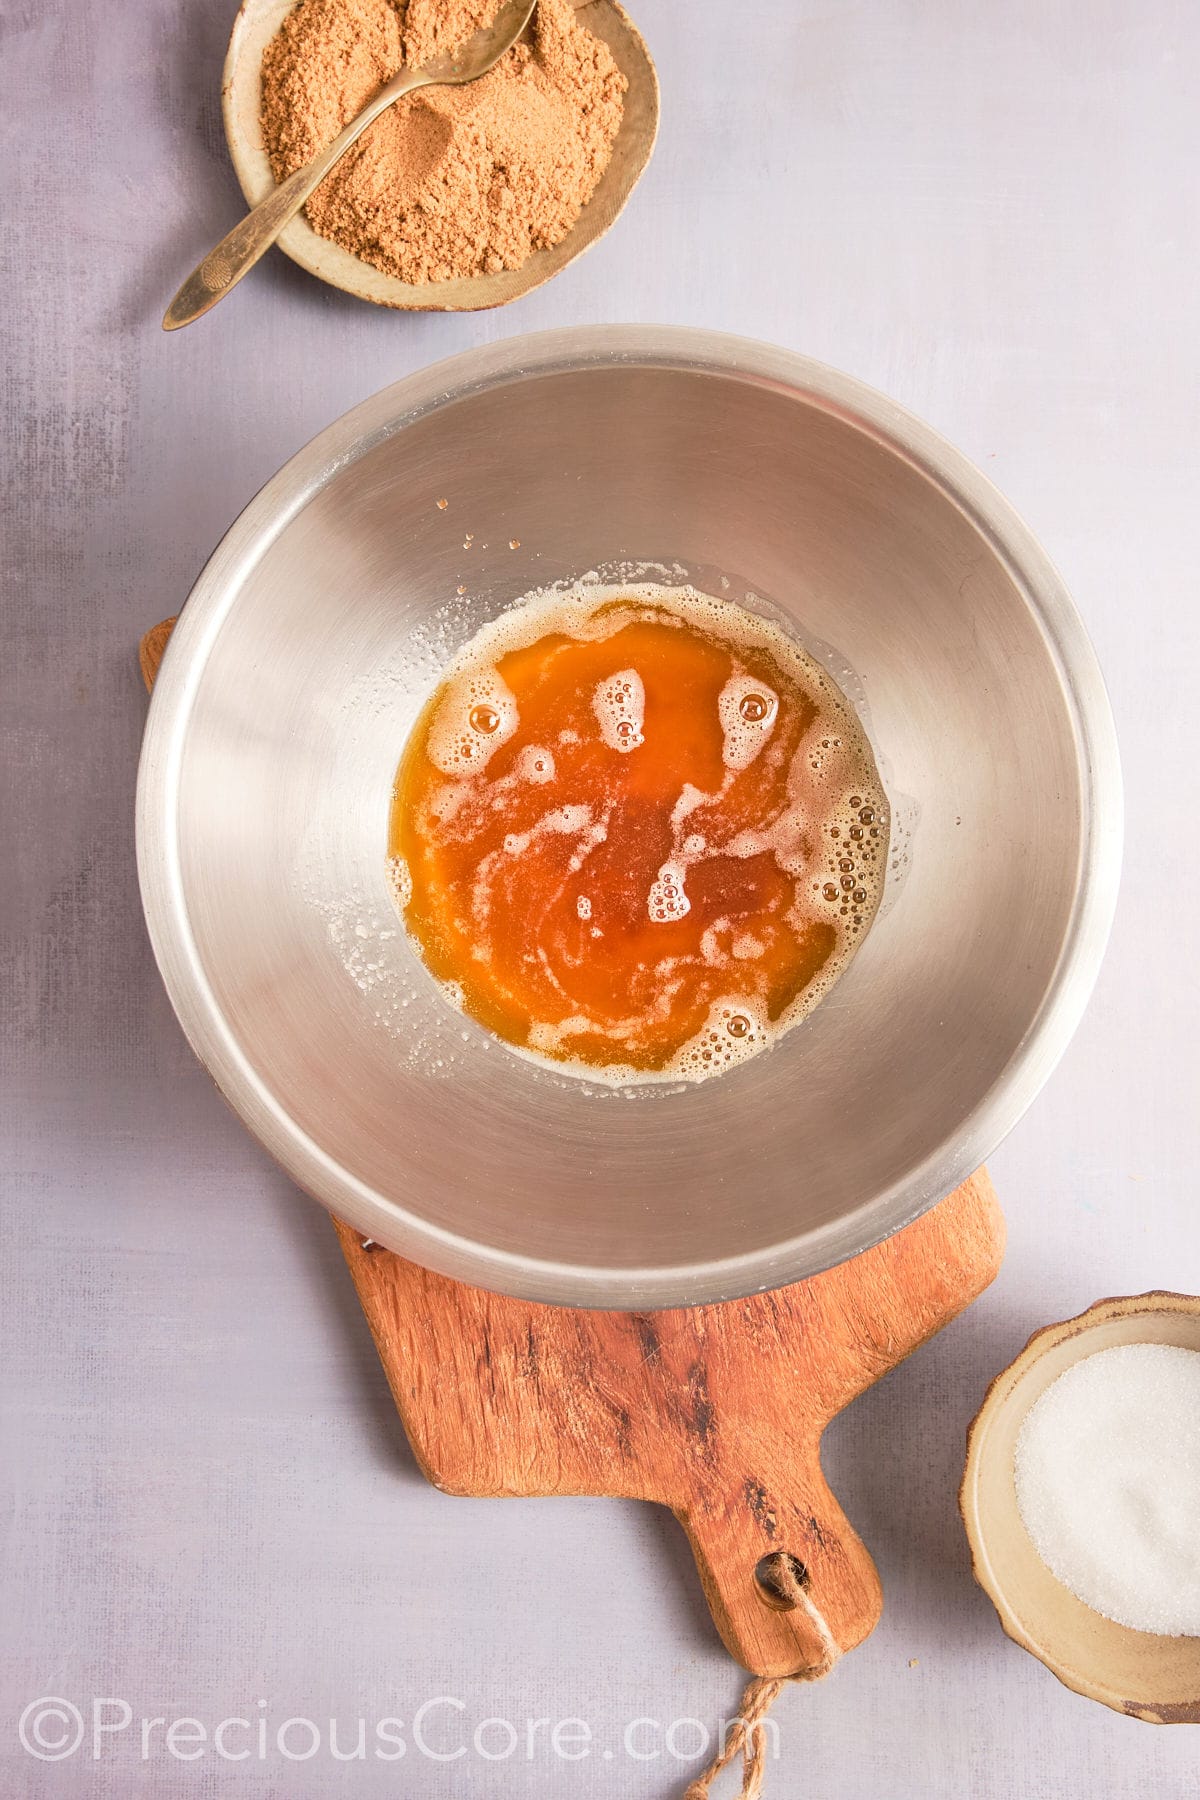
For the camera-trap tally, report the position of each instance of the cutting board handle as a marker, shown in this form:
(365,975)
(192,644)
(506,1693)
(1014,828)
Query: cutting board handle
(734,1535)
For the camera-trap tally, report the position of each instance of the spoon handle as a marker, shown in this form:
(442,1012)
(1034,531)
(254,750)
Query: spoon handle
(224,266)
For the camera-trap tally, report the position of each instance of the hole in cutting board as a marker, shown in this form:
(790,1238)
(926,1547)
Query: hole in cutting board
(767,1579)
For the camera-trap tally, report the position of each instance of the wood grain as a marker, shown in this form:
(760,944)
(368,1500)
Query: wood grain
(714,1411)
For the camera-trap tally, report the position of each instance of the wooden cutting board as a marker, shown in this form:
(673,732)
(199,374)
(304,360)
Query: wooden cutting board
(714,1411)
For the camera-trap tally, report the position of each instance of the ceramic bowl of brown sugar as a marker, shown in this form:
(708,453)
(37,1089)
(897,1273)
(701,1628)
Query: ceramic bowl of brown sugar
(379,274)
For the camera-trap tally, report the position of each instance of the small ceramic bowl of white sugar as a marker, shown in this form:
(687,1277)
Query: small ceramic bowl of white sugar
(1081,1499)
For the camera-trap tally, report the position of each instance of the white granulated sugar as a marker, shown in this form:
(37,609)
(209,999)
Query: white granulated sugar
(1108,1484)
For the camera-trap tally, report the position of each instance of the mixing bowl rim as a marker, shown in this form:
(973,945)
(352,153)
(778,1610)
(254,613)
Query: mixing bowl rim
(696,352)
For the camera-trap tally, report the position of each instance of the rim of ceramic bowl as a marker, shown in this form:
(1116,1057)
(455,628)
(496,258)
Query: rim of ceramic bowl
(980,1468)
(353,436)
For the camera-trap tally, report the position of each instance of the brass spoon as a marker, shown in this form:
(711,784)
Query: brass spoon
(224,267)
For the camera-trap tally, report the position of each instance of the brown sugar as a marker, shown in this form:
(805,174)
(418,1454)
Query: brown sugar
(454,181)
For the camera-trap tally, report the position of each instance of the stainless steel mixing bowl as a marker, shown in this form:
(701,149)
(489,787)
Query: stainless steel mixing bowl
(300,662)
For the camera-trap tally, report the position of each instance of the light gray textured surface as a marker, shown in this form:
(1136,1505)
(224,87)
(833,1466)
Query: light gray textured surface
(989,211)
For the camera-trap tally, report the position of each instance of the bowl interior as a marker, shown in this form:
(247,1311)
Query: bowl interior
(303,658)
(1138,1672)
(241,93)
